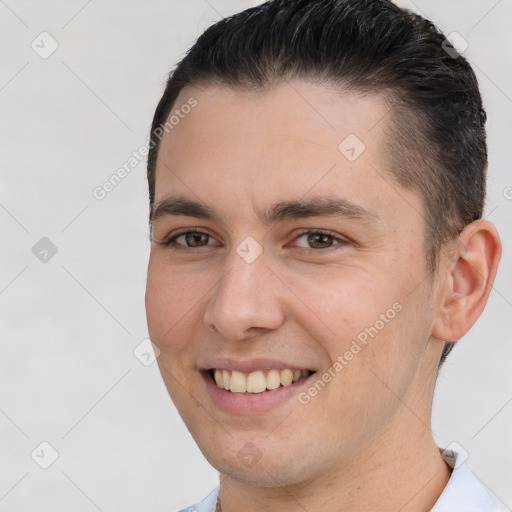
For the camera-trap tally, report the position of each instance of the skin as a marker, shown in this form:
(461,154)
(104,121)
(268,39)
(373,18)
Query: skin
(364,441)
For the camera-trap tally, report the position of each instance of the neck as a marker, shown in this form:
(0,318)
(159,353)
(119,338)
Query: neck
(401,472)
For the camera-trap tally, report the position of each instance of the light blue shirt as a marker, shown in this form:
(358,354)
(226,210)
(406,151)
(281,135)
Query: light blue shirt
(463,493)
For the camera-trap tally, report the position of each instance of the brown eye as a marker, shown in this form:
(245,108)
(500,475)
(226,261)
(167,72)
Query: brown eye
(320,240)
(196,239)
(192,239)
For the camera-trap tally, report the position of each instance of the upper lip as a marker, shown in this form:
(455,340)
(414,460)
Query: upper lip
(250,365)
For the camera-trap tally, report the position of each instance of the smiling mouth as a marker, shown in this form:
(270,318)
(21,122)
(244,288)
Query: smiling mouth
(256,382)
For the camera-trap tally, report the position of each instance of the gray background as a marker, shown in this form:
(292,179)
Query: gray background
(70,324)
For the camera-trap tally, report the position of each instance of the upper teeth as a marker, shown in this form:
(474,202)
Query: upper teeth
(256,382)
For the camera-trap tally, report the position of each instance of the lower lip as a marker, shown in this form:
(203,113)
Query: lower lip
(250,403)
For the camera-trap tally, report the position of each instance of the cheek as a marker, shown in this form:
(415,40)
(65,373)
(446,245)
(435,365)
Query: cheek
(173,302)
(364,321)
(173,309)
(342,302)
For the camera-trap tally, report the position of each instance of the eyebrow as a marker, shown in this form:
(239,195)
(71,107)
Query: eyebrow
(284,210)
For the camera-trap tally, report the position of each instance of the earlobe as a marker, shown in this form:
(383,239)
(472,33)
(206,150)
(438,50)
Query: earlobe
(470,272)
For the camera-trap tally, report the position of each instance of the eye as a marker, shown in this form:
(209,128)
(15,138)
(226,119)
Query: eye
(192,239)
(318,240)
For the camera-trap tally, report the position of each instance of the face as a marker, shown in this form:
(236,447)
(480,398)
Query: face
(286,286)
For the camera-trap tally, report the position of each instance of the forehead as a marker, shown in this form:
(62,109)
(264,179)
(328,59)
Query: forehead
(257,146)
(313,115)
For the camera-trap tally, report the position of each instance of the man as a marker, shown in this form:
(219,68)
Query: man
(317,180)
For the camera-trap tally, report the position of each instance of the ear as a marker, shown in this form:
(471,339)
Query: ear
(469,273)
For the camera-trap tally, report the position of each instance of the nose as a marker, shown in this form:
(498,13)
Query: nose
(246,301)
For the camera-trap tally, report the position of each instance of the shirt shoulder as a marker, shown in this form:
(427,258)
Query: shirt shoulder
(209,504)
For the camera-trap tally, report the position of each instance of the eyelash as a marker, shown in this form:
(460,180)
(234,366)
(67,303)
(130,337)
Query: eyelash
(337,241)
(171,242)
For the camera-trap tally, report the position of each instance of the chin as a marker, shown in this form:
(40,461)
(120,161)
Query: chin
(262,465)
(260,475)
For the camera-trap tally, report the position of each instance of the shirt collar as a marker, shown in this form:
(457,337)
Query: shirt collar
(464,492)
